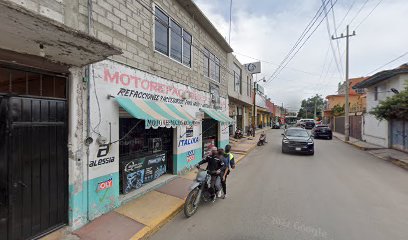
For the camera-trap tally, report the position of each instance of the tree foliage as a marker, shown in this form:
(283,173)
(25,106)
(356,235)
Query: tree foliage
(308,105)
(338,110)
(395,107)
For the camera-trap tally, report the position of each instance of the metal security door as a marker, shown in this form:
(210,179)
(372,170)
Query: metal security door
(37,166)
(3,169)
(356,127)
(399,135)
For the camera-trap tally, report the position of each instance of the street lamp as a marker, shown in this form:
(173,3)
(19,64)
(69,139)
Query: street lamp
(395,91)
(254,108)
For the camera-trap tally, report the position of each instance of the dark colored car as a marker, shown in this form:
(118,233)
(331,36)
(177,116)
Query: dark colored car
(322,131)
(309,124)
(275,125)
(297,140)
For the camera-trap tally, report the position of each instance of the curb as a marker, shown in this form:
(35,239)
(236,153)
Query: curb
(147,231)
(145,234)
(357,146)
(392,160)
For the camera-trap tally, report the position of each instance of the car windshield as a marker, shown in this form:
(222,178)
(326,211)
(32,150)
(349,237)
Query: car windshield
(296,133)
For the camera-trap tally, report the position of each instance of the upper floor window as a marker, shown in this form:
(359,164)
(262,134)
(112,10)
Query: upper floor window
(171,39)
(29,83)
(360,90)
(211,65)
(237,79)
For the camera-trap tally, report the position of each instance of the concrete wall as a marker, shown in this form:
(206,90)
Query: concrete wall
(246,79)
(130,26)
(374,131)
(77,156)
(237,98)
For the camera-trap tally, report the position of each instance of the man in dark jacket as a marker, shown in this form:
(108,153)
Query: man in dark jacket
(214,167)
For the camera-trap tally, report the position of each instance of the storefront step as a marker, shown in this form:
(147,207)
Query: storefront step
(148,187)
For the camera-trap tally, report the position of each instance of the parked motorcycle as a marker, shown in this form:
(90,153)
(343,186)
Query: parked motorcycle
(200,190)
(262,139)
(238,134)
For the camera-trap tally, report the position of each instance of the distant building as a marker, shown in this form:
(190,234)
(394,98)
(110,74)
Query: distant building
(240,93)
(357,100)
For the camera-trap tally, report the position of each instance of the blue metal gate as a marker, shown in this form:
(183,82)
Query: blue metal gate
(399,135)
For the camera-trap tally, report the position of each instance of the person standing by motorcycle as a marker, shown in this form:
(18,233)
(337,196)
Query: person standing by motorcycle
(214,167)
(229,162)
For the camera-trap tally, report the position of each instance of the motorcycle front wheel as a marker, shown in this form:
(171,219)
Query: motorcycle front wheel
(189,207)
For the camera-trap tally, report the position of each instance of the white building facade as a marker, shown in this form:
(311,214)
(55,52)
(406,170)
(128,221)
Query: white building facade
(378,88)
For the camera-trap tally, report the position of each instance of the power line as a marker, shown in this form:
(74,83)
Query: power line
(331,44)
(347,13)
(358,12)
(287,62)
(335,32)
(269,62)
(368,15)
(395,59)
(299,40)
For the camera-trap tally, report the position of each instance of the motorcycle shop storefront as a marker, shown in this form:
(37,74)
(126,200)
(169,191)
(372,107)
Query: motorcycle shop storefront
(33,151)
(215,129)
(146,144)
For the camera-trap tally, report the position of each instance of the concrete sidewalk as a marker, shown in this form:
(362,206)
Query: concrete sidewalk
(394,156)
(358,143)
(141,217)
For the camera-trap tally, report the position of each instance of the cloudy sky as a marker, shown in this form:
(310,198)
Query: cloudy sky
(268,29)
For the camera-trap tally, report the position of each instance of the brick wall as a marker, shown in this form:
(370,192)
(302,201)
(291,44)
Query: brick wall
(128,25)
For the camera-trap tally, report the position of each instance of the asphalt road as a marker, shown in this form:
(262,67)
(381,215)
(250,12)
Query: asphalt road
(339,193)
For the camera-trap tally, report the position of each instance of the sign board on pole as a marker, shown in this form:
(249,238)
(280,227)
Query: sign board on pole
(253,68)
(260,89)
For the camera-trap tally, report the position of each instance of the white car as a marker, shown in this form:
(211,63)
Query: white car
(303,120)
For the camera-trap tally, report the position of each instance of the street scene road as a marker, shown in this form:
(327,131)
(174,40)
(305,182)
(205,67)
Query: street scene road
(339,193)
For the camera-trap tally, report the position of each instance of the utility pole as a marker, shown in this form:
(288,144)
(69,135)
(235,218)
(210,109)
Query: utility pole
(314,109)
(254,111)
(230,20)
(347,85)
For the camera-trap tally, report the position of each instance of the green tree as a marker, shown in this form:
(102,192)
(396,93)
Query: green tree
(338,110)
(308,106)
(395,107)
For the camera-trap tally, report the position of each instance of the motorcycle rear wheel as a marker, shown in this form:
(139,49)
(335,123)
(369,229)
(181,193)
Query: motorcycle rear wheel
(189,208)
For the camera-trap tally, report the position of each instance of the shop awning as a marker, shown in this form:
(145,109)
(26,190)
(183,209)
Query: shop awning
(217,115)
(156,114)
